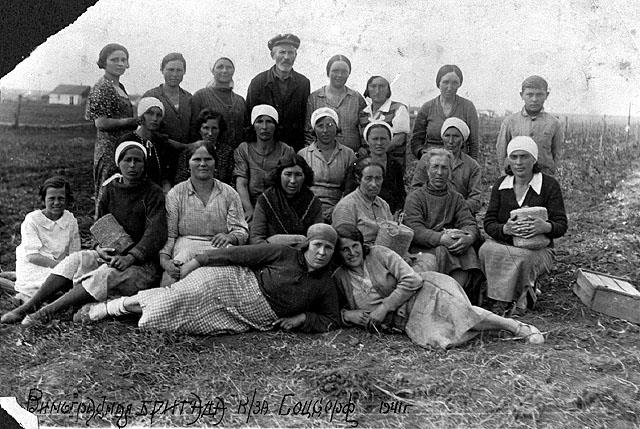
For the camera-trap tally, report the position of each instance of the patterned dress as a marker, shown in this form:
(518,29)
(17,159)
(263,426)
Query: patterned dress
(104,101)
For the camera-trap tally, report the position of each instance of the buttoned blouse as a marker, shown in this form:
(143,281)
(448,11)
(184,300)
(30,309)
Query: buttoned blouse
(188,216)
(543,128)
(328,176)
(348,110)
(355,209)
(256,167)
(43,236)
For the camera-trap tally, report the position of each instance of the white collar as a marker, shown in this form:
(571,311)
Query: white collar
(386,106)
(47,223)
(535,183)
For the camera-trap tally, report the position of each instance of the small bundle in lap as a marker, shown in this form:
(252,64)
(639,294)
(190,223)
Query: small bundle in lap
(108,232)
(538,241)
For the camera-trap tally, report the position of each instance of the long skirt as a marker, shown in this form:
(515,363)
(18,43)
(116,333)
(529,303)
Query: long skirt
(441,260)
(210,300)
(441,314)
(512,271)
(185,249)
(102,281)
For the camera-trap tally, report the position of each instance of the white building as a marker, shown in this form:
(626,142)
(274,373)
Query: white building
(69,94)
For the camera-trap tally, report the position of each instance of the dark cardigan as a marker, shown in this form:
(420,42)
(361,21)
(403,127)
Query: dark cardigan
(503,201)
(285,281)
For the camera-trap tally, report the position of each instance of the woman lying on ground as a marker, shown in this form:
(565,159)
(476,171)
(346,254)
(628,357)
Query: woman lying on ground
(285,211)
(363,207)
(377,286)
(444,228)
(93,275)
(47,237)
(202,213)
(239,288)
(512,272)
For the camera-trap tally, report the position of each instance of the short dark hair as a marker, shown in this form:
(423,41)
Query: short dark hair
(361,164)
(209,147)
(56,182)
(350,231)
(291,161)
(206,114)
(335,58)
(448,68)
(536,169)
(366,89)
(108,50)
(173,56)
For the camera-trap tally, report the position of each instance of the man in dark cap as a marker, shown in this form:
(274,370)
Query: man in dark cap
(532,121)
(283,88)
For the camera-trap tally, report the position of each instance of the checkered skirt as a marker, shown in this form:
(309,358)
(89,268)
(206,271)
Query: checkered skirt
(210,300)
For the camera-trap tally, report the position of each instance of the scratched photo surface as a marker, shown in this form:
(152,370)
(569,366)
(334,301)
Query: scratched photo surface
(587,374)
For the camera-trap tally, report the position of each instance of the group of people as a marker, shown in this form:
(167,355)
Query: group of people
(264,212)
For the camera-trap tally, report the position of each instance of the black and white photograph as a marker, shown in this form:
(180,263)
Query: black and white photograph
(288,213)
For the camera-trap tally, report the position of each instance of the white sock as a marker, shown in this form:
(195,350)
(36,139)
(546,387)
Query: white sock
(115,307)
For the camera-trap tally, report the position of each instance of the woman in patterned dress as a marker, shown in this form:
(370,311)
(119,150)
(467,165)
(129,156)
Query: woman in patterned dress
(110,110)
(238,288)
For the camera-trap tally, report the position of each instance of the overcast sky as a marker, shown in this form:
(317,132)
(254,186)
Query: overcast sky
(587,50)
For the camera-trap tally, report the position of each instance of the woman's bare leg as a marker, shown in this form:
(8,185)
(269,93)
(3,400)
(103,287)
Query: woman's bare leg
(492,321)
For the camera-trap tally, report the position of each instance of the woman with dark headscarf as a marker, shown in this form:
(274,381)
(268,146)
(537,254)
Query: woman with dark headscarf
(432,114)
(239,288)
(346,102)
(176,101)
(285,211)
(109,107)
(219,97)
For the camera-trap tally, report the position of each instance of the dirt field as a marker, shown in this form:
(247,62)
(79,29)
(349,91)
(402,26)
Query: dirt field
(586,375)
(33,113)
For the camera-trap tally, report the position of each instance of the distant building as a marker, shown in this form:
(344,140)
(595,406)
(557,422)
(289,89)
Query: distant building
(69,94)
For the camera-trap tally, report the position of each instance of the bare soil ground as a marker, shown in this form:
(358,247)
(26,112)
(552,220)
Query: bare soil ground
(586,375)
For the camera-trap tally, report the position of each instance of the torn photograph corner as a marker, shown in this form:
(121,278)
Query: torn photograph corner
(13,416)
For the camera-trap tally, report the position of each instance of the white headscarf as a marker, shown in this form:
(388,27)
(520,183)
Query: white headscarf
(524,143)
(147,103)
(264,109)
(376,123)
(126,145)
(323,112)
(458,124)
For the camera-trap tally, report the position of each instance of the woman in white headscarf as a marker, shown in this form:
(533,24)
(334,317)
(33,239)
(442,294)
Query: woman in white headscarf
(256,158)
(161,152)
(380,107)
(328,159)
(137,205)
(465,174)
(512,272)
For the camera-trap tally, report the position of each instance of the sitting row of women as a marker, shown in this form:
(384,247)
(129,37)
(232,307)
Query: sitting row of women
(136,203)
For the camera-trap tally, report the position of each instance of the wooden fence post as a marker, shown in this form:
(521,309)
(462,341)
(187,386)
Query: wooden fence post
(17,114)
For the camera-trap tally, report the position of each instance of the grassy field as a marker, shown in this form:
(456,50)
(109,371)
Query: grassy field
(586,375)
(34,113)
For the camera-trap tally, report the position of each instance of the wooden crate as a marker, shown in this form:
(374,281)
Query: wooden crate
(607,294)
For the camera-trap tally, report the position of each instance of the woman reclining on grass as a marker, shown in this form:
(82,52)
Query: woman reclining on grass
(377,286)
(238,288)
